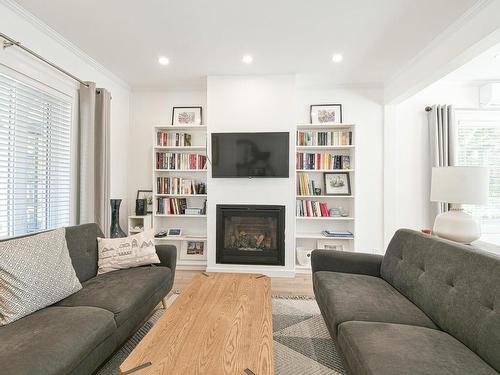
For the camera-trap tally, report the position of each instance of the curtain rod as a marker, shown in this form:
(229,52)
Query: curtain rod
(428,109)
(9,42)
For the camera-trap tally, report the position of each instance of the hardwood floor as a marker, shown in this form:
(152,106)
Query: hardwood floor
(300,285)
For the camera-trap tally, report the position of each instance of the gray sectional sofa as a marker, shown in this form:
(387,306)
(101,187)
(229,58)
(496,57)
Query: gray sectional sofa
(429,306)
(78,334)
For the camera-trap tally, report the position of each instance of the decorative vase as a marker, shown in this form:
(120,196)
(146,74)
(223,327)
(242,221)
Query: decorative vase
(115,231)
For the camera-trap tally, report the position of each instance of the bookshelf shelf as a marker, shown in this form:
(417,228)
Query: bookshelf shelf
(308,229)
(339,147)
(170,144)
(181,195)
(324,196)
(323,170)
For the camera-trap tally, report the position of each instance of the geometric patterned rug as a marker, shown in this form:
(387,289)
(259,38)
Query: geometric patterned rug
(302,344)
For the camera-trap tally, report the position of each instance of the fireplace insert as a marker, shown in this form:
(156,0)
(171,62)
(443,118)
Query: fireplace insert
(250,234)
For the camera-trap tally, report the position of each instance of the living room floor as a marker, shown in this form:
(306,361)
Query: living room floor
(300,285)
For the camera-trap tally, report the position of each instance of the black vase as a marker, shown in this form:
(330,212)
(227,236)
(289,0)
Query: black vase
(115,231)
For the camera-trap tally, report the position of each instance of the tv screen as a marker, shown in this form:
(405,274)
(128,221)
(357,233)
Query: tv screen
(250,154)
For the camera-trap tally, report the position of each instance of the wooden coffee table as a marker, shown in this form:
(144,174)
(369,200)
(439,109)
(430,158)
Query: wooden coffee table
(220,324)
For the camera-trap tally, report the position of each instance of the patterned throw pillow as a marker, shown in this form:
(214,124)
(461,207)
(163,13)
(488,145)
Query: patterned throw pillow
(35,272)
(126,252)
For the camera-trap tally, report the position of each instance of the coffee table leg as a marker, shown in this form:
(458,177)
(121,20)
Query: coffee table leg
(164,302)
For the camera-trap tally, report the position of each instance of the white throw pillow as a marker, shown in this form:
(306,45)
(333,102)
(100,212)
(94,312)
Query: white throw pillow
(126,252)
(35,272)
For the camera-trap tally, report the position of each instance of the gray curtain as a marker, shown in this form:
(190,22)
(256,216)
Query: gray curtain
(94,156)
(442,141)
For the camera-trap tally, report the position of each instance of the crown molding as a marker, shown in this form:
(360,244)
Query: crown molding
(58,38)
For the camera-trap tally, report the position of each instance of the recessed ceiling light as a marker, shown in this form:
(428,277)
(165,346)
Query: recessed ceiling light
(247,59)
(163,60)
(337,58)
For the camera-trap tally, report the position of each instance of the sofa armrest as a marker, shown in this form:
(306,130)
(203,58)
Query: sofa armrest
(346,262)
(168,257)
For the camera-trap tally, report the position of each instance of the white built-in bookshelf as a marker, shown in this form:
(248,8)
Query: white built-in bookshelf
(179,166)
(327,141)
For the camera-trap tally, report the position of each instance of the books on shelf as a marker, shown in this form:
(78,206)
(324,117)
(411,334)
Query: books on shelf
(327,161)
(171,206)
(306,208)
(324,138)
(166,138)
(177,160)
(305,186)
(337,234)
(178,185)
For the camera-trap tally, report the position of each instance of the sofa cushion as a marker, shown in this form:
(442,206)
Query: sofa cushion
(121,292)
(395,349)
(54,340)
(35,272)
(457,286)
(345,296)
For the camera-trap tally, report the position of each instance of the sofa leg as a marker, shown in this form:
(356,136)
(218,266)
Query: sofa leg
(164,302)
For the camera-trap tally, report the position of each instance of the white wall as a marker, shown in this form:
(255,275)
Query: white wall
(150,108)
(363,107)
(408,154)
(252,103)
(21,26)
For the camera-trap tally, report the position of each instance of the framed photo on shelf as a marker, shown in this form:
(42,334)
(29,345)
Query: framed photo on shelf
(186,116)
(193,250)
(329,245)
(148,195)
(326,114)
(174,232)
(337,183)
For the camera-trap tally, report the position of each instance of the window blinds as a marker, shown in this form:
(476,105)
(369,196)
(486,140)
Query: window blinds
(35,159)
(479,144)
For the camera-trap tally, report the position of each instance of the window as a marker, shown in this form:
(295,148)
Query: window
(35,158)
(479,144)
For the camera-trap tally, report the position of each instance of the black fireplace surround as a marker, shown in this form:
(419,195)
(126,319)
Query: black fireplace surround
(250,234)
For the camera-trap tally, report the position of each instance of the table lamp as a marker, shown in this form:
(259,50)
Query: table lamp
(457,186)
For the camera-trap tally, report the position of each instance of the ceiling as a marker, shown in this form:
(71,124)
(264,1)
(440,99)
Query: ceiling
(376,38)
(485,67)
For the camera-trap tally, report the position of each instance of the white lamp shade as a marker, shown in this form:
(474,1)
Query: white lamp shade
(460,185)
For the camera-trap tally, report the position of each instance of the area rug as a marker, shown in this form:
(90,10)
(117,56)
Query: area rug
(302,344)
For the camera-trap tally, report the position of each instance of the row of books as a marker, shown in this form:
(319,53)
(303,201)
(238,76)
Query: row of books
(164,138)
(179,185)
(324,138)
(305,186)
(326,161)
(172,160)
(337,234)
(172,206)
(311,208)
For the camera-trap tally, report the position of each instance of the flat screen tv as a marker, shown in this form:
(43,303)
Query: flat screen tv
(250,155)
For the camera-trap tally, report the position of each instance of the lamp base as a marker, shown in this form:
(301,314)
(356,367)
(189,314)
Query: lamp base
(457,225)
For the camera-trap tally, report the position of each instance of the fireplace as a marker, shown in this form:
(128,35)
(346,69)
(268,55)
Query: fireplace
(250,234)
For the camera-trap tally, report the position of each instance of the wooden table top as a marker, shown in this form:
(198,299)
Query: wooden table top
(220,324)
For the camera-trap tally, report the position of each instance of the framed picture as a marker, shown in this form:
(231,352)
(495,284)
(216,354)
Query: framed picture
(174,232)
(146,194)
(329,245)
(337,183)
(193,250)
(326,114)
(186,115)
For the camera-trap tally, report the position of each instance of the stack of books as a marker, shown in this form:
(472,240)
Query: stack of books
(171,206)
(305,186)
(173,161)
(312,161)
(338,234)
(324,138)
(164,138)
(307,208)
(178,185)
